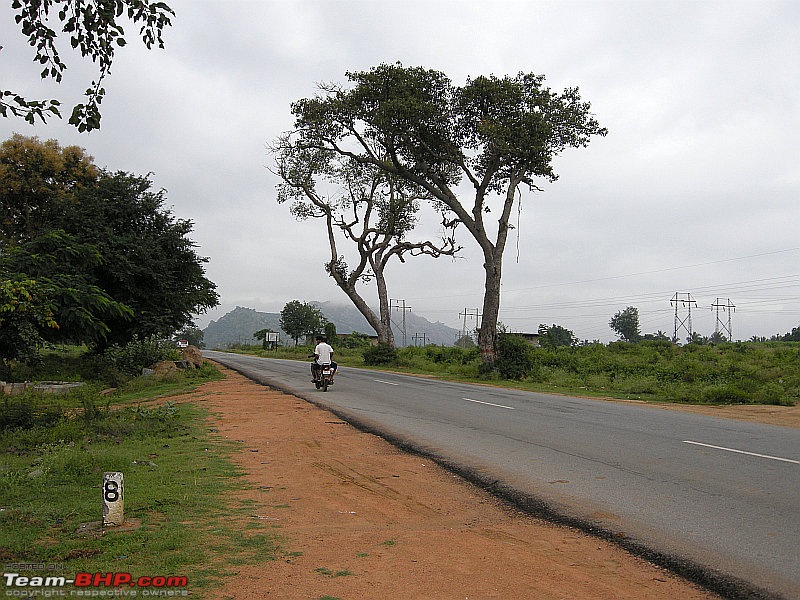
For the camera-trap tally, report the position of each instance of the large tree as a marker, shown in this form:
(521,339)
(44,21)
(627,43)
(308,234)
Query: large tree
(108,262)
(149,260)
(94,28)
(373,210)
(54,272)
(39,179)
(494,134)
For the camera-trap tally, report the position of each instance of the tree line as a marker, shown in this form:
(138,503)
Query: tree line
(89,256)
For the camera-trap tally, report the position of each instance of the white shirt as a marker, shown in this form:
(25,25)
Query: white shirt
(324,353)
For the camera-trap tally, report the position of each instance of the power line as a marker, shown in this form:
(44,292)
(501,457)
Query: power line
(729,308)
(684,323)
(395,304)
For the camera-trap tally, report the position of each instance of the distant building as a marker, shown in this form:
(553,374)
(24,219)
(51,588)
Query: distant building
(531,338)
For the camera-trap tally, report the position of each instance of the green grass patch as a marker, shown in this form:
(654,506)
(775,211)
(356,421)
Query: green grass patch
(653,371)
(178,483)
(330,573)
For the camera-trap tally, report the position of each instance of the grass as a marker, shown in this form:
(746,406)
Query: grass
(179,480)
(652,371)
(329,573)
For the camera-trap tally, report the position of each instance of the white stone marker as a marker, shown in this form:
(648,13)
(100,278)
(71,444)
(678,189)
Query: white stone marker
(113,504)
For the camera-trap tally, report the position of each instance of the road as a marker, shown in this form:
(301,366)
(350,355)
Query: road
(718,493)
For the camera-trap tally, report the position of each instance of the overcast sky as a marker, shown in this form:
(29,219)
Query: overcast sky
(694,191)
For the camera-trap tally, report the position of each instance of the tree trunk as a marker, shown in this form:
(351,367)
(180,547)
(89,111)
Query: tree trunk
(487,332)
(385,333)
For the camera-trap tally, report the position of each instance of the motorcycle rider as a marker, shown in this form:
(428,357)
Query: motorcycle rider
(323,354)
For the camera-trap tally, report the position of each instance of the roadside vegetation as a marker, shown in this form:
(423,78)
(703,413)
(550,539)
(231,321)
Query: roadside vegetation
(649,370)
(178,474)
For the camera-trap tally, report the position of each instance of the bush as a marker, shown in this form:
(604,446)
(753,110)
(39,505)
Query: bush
(22,413)
(139,354)
(512,358)
(380,355)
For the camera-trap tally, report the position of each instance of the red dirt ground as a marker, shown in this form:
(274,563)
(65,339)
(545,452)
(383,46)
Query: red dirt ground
(360,519)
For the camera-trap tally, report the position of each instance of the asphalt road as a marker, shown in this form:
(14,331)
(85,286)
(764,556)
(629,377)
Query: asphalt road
(717,493)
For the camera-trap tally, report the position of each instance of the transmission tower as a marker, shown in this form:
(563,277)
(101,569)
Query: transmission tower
(470,312)
(720,325)
(420,337)
(396,305)
(684,301)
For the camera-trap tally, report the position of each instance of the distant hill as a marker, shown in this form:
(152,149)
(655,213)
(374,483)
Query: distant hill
(239,325)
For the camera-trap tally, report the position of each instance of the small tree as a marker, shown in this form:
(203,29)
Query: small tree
(330,330)
(555,336)
(658,336)
(626,324)
(300,318)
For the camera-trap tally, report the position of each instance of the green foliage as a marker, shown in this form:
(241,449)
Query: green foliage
(413,124)
(87,256)
(626,324)
(353,341)
(301,318)
(793,336)
(138,354)
(63,301)
(148,261)
(655,370)
(513,357)
(555,336)
(194,335)
(382,354)
(451,354)
(93,28)
(330,331)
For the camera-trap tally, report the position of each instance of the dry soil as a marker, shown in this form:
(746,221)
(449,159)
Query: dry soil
(360,519)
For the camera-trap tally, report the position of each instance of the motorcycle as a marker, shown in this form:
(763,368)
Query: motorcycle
(323,376)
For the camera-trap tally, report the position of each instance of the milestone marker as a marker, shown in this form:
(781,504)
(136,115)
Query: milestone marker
(113,504)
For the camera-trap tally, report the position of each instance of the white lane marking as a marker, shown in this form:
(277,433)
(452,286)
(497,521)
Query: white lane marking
(789,460)
(488,403)
(386,382)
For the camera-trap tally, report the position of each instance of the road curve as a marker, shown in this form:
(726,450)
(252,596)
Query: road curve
(715,499)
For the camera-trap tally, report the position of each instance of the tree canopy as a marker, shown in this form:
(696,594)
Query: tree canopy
(95,30)
(494,134)
(626,324)
(373,210)
(301,318)
(554,336)
(90,256)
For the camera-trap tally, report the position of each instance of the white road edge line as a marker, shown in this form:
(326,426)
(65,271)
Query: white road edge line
(789,460)
(488,403)
(386,382)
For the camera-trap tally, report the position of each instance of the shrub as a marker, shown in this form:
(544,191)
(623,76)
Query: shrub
(380,355)
(512,358)
(139,354)
(724,394)
(23,413)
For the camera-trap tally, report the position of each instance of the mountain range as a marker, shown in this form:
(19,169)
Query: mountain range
(238,326)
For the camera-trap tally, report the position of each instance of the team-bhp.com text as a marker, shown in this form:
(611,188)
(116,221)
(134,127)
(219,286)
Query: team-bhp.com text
(94,585)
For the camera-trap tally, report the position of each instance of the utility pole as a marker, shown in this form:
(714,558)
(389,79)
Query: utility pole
(396,305)
(683,300)
(719,324)
(470,312)
(684,323)
(420,336)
